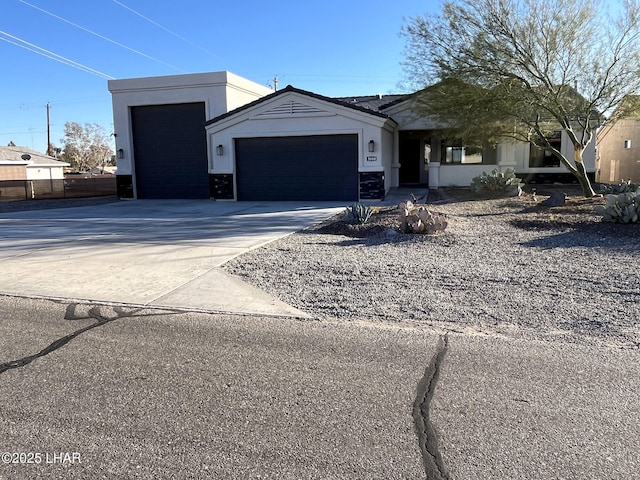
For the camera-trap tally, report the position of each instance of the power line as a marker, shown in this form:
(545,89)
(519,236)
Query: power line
(23,133)
(165,29)
(51,55)
(100,36)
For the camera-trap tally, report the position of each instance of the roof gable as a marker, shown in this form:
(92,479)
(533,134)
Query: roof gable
(289,108)
(404,112)
(294,106)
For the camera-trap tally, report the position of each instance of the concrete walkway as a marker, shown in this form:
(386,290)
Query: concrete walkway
(148,252)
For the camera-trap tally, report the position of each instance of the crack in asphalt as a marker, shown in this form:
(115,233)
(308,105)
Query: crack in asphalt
(427,437)
(71,313)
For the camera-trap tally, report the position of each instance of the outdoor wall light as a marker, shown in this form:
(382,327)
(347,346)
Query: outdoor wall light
(120,153)
(372,146)
(219,150)
(627,144)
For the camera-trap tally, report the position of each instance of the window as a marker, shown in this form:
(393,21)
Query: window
(542,157)
(455,152)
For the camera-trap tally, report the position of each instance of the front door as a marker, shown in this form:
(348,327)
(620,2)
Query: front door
(410,159)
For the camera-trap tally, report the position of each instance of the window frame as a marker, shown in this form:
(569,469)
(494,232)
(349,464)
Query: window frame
(455,152)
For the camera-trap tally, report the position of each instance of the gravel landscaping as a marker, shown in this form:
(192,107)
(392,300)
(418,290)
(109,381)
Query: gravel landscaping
(504,266)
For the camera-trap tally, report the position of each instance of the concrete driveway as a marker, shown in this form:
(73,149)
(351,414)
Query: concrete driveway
(148,252)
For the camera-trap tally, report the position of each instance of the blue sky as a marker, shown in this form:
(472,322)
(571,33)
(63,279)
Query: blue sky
(352,47)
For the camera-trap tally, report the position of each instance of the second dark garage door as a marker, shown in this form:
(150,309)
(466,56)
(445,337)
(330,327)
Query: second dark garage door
(320,167)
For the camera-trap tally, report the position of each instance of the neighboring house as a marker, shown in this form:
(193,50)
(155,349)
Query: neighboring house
(27,173)
(181,137)
(619,151)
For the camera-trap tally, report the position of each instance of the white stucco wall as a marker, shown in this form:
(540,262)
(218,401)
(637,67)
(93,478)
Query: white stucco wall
(239,92)
(220,92)
(460,175)
(407,118)
(387,159)
(44,172)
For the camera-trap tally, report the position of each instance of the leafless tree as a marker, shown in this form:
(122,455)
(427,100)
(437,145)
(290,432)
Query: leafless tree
(86,147)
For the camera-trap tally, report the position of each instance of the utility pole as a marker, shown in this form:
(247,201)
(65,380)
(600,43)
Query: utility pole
(48,107)
(275,83)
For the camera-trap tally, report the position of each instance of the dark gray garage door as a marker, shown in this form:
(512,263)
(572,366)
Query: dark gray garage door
(170,148)
(322,167)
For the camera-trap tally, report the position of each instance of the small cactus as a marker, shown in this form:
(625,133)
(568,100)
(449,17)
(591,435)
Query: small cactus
(621,208)
(497,181)
(625,186)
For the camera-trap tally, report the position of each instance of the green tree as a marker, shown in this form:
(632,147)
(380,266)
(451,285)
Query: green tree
(520,69)
(86,147)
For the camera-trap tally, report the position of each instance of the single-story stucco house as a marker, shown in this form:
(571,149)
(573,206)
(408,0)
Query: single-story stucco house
(218,135)
(27,173)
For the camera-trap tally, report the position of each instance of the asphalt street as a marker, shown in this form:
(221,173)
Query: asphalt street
(99,391)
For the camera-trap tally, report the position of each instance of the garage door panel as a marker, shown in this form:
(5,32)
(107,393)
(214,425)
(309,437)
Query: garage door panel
(321,167)
(170,151)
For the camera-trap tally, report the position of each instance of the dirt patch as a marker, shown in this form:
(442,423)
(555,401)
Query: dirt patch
(383,220)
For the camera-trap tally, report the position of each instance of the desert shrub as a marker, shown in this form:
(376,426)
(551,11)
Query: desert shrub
(359,214)
(621,208)
(497,181)
(418,219)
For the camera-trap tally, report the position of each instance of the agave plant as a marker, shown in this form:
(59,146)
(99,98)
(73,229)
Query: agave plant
(359,213)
